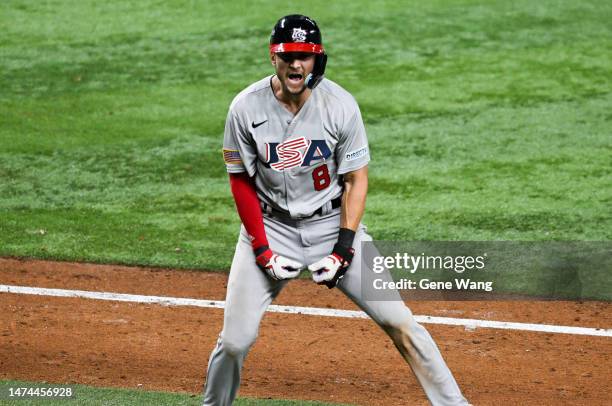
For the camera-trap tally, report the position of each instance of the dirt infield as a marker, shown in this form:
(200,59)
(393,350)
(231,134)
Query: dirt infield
(157,347)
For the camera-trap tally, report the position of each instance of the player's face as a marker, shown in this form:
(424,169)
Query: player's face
(292,68)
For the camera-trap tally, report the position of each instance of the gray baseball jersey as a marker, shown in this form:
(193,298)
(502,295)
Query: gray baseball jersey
(298,159)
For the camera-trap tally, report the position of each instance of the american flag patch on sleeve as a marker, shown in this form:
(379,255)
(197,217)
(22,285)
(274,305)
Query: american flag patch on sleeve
(231,156)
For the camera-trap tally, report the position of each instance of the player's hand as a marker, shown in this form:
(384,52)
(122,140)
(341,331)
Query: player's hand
(277,266)
(329,270)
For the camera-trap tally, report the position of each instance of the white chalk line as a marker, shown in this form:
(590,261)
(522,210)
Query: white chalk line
(310,311)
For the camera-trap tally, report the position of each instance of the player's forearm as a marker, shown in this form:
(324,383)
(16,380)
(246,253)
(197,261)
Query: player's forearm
(354,198)
(249,210)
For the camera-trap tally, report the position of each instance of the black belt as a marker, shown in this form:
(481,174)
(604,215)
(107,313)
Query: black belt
(335,203)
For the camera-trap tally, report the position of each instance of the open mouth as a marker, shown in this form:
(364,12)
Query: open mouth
(295,77)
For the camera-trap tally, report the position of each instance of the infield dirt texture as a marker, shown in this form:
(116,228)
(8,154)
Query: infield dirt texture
(487,121)
(296,356)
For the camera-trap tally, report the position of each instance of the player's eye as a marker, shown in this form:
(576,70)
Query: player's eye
(285,57)
(289,57)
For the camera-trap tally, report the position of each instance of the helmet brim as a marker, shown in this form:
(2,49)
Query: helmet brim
(296,47)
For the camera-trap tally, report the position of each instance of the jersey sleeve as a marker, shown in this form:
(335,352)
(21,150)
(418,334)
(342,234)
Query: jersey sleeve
(352,151)
(238,152)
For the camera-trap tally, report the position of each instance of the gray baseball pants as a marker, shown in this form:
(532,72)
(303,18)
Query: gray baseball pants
(250,291)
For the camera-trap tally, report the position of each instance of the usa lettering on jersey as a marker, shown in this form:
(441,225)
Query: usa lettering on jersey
(295,152)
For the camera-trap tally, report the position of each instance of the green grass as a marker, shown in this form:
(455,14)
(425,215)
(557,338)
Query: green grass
(487,120)
(87,395)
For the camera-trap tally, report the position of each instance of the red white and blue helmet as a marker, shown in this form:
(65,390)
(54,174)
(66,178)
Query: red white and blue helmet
(298,33)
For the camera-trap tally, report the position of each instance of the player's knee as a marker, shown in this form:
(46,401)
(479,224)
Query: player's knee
(403,329)
(402,339)
(238,346)
(395,331)
(409,337)
(401,319)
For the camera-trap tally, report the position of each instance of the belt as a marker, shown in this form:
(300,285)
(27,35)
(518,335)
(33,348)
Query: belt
(335,203)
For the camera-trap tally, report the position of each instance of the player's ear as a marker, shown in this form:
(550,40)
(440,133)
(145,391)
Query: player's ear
(273,58)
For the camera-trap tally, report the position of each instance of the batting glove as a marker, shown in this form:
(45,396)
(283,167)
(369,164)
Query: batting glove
(329,270)
(277,266)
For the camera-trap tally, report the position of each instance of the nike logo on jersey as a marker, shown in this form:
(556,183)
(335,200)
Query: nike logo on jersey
(255,125)
(295,152)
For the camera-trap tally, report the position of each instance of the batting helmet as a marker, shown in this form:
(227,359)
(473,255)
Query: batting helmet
(298,33)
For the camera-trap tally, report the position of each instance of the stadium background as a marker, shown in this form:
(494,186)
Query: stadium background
(487,120)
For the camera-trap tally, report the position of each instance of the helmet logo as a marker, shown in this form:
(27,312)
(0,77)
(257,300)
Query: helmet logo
(299,35)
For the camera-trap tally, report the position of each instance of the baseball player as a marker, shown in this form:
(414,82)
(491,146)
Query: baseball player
(296,151)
